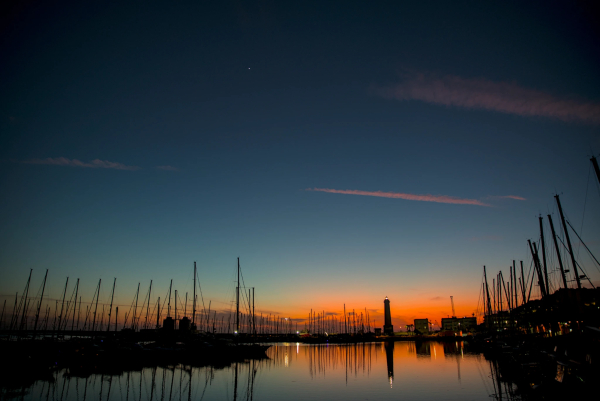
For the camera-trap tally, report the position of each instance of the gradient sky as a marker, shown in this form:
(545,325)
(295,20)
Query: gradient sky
(345,151)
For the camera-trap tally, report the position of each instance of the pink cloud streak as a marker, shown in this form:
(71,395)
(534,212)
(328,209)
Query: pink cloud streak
(97,163)
(512,197)
(397,195)
(478,93)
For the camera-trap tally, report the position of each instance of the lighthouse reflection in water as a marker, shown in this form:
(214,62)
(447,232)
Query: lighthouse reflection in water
(294,371)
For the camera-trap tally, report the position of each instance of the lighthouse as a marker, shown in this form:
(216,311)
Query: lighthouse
(388,328)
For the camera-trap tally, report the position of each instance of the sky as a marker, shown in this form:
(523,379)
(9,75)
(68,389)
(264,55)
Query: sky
(344,151)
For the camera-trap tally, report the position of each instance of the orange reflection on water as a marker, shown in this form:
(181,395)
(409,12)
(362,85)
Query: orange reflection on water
(294,371)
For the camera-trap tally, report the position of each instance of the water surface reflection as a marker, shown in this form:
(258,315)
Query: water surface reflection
(293,371)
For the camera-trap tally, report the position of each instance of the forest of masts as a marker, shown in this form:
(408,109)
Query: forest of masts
(505,294)
(352,323)
(33,314)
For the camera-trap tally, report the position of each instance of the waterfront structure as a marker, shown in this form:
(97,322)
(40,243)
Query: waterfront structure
(184,324)
(422,326)
(564,311)
(169,323)
(388,328)
(459,324)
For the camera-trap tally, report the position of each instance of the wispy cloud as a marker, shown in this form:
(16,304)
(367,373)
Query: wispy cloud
(515,197)
(398,195)
(167,168)
(97,163)
(478,93)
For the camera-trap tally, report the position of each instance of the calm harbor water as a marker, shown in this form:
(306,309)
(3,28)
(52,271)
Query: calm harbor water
(295,371)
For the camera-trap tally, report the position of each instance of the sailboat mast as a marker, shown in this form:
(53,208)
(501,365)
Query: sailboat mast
(544,255)
(595,163)
(137,294)
(37,315)
(516,292)
(560,263)
(487,291)
(562,218)
(25,301)
(148,305)
(62,305)
(536,262)
(523,283)
(112,296)
(169,304)
(345,320)
(75,308)
(237,299)
(96,308)
(194,301)
(158,314)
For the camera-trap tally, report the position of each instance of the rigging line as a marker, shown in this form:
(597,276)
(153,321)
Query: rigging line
(201,296)
(532,279)
(586,196)
(565,255)
(157,305)
(147,298)
(38,293)
(479,297)
(576,252)
(243,282)
(588,249)
(89,310)
(69,304)
(231,293)
(127,315)
(529,272)
(581,267)
(244,287)
(162,308)
(597,185)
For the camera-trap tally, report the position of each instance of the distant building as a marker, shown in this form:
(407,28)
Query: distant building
(387,327)
(422,326)
(498,321)
(169,323)
(457,324)
(468,324)
(378,331)
(184,324)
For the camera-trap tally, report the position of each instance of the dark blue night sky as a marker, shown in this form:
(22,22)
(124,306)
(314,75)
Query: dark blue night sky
(136,139)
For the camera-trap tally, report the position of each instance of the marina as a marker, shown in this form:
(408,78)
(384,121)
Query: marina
(315,200)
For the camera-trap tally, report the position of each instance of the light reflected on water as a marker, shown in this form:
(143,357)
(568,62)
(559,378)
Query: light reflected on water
(294,371)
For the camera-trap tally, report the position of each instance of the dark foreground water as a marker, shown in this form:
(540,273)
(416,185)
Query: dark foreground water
(374,371)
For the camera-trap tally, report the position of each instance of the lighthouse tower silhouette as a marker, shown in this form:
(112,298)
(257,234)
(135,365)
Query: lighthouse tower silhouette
(387,327)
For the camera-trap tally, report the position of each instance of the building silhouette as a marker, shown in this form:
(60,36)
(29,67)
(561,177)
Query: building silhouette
(387,327)
(459,324)
(422,326)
